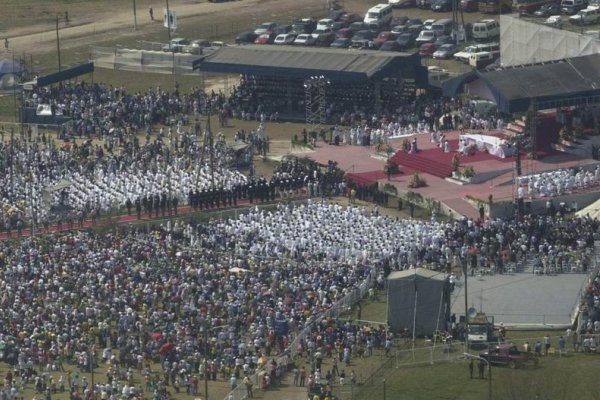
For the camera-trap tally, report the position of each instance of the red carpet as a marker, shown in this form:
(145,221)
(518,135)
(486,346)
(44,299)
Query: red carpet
(370,177)
(437,163)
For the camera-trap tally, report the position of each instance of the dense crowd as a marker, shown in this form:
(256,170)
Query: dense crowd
(559,182)
(146,294)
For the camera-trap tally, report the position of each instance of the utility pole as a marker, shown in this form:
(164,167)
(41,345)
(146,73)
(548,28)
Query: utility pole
(58,45)
(169,25)
(205,361)
(134,16)
(466,274)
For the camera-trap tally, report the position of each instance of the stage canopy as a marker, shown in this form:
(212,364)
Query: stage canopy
(305,62)
(572,81)
(418,300)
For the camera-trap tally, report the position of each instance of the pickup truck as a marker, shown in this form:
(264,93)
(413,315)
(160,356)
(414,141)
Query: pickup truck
(508,354)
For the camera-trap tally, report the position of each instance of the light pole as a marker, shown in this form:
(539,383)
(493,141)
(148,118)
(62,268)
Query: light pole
(205,329)
(489,366)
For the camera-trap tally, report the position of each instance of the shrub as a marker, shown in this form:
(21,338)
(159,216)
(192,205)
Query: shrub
(416,182)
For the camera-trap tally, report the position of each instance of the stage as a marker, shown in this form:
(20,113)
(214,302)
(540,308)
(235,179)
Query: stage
(495,175)
(523,299)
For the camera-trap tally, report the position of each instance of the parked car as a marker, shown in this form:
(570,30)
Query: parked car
(281,29)
(445,39)
(325,23)
(305,39)
(445,51)
(383,37)
(344,33)
(415,29)
(390,45)
(441,5)
(406,40)
(555,21)
(337,25)
(265,38)
(304,25)
(318,32)
(570,7)
(399,20)
(402,3)
(341,43)
(547,10)
(469,5)
(465,54)
(587,16)
(285,38)
(176,45)
(265,27)
(359,26)
(350,18)
(426,36)
(428,23)
(361,44)
(424,4)
(364,35)
(508,354)
(195,46)
(245,38)
(427,49)
(325,39)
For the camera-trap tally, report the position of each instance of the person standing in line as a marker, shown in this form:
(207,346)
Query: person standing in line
(471,368)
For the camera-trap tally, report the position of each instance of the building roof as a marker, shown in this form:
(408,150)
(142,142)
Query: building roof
(418,272)
(515,87)
(304,62)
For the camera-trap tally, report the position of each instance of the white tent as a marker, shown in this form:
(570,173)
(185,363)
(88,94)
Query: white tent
(592,211)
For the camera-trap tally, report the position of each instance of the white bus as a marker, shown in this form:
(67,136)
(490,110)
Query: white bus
(381,14)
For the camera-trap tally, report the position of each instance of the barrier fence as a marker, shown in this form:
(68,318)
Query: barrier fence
(142,60)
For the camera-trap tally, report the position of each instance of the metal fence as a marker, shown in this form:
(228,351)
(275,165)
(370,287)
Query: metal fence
(338,308)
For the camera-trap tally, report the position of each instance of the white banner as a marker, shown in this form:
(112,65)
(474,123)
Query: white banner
(170,22)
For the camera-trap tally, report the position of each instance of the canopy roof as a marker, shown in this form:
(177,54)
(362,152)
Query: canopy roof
(304,62)
(418,272)
(546,83)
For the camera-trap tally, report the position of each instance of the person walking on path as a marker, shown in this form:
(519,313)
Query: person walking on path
(481,367)
(151,12)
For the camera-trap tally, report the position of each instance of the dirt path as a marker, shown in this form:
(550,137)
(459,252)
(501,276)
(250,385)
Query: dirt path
(117,22)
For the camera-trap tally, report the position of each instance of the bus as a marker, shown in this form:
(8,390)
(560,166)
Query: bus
(381,14)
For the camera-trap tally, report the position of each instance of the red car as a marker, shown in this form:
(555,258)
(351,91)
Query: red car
(349,18)
(265,38)
(427,49)
(383,37)
(344,33)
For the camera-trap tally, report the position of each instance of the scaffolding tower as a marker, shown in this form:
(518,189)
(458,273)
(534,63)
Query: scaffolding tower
(315,92)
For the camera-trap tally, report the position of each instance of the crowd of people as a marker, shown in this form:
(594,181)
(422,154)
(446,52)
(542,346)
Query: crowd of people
(558,182)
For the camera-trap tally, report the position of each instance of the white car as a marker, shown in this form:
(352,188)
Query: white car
(426,37)
(318,32)
(325,23)
(305,39)
(466,53)
(428,23)
(265,27)
(285,38)
(590,15)
(554,21)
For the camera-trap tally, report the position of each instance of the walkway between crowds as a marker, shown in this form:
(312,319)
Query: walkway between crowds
(122,219)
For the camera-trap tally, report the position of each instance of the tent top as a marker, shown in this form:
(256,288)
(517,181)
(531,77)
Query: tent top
(420,272)
(304,62)
(591,211)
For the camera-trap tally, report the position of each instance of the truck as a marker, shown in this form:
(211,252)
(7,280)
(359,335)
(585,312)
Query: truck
(481,329)
(508,354)
(495,6)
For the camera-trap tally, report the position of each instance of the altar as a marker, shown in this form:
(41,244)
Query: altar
(492,144)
